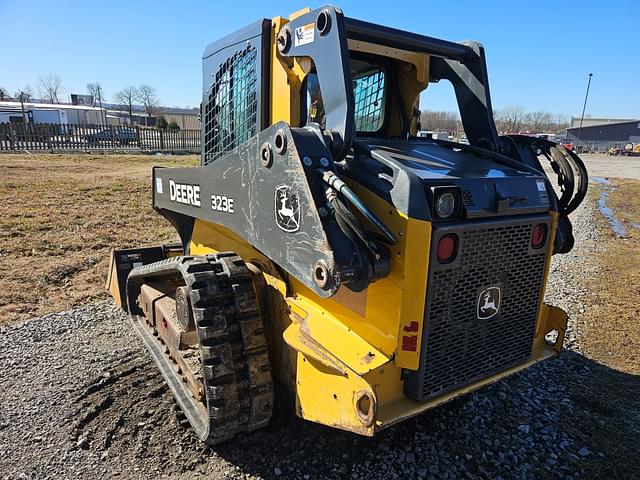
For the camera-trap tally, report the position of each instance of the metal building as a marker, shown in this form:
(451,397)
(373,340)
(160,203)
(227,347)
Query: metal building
(186,118)
(600,137)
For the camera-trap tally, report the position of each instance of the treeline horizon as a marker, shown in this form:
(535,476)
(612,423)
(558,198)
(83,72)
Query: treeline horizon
(511,119)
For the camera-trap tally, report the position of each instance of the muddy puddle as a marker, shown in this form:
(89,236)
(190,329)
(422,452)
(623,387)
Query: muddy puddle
(616,225)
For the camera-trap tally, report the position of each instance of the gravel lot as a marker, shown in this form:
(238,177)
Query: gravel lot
(80,398)
(600,165)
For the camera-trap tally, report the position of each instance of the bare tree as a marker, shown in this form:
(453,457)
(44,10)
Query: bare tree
(440,121)
(50,87)
(4,94)
(96,91)
(515,119)
(510,119)
(126,97)
(561,121)
(24,94)
(539,121)
(149,100)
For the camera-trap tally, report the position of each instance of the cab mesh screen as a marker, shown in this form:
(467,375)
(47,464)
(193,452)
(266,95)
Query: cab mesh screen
(231,112)
(369,91)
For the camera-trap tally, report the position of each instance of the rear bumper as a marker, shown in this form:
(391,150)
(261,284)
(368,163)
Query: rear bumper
(329,388)
(405,408)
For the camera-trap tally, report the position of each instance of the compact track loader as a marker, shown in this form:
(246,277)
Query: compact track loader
(329,251)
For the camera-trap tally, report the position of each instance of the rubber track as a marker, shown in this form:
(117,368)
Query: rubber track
(236,369)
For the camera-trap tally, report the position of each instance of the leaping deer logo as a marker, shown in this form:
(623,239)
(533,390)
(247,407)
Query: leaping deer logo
(488,303)
(287,209)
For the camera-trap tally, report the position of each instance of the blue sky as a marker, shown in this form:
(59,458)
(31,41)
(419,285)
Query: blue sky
(539,53)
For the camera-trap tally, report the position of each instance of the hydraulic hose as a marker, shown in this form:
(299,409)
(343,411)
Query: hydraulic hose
(333,181)
(583,179)
(567,165)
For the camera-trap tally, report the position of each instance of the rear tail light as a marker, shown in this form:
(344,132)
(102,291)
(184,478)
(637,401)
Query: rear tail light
(447,248)
(539,235)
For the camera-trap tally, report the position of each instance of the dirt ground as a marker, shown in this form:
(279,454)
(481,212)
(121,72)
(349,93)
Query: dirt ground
(59,217)
(612,166)
(610,333)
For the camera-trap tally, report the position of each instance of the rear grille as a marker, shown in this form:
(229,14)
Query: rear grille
(457,347)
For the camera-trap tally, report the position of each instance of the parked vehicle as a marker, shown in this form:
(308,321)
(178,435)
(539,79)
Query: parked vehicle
(629,150)
(120,135)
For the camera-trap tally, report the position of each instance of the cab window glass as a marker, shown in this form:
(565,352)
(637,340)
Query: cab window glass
(368,89)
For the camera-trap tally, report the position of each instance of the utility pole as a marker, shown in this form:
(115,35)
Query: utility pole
(24,116)
(583,110)
(102,120)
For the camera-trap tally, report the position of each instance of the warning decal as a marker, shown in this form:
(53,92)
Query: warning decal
(304,34)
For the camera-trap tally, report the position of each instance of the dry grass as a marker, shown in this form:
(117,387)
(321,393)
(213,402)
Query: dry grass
(605,391)
(59,217)
(613,326)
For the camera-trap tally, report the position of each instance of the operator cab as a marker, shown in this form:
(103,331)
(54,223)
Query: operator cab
(379,109)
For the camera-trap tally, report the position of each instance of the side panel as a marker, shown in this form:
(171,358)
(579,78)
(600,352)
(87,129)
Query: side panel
(396,304)
(389,313)
(270,206)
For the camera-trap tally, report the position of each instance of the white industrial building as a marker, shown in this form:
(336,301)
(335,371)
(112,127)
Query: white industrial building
(12,111)
(67,114)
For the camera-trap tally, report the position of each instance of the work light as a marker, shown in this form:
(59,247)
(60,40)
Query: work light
(445,205)
(447,202)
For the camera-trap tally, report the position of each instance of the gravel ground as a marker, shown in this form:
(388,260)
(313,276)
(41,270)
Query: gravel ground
(600,165)
(80,398)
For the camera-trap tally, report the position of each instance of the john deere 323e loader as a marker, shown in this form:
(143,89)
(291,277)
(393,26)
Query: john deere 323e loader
(330,252)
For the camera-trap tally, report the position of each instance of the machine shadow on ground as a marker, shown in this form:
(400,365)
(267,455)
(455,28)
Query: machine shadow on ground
(597,410)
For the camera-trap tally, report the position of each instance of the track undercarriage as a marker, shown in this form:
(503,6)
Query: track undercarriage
(200,320)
